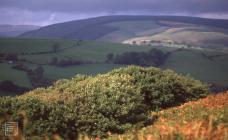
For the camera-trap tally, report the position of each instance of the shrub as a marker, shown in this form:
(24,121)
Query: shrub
(108,103)
(109,57)
(162,89)
(6,106)
(154,57)
(11,57)
(112,102)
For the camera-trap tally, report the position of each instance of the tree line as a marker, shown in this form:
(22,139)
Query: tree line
(154,57)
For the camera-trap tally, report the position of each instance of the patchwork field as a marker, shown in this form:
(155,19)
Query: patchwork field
(130,29)
(206,65)
(194,37)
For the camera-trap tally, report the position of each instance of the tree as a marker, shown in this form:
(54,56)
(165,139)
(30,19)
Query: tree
(154,57)
(55,47)
(79,42)
(11,57)
(39,71)
(54,61)
(110,57)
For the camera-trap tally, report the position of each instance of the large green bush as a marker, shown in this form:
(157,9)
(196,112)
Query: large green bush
(162,89)
(112,102)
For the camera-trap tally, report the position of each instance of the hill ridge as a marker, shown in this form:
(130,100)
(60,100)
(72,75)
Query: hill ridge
(82,29)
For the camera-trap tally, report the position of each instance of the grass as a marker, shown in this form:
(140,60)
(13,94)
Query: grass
(192,61)
(88,51)
(41,59)
(194,64)
(98,50)
(196,38)
(135,26)
(53,72)
(205,119)
(31,45)
(6,93)
(193,36)
(129,29)
(17,77)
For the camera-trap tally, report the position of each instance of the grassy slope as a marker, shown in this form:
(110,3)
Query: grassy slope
(88,51)
(192,36)
(196,65)
(52,72)
(191,62)
(95,28)
(202,119)
(9,45)
(18,77)
(129,29)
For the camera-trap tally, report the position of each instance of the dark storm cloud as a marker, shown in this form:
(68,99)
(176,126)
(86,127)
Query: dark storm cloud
(195,6)
(60,10)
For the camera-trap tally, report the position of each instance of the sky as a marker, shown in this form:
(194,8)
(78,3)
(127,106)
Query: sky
(45,12)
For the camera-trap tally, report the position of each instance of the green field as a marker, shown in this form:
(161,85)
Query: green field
(88,50)
(29,51)
(130,29)
(31,45)
(194,62)
(196,65)
(53,72)
(18,77)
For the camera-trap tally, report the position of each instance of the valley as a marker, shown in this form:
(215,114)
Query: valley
(90,57)
(116,78)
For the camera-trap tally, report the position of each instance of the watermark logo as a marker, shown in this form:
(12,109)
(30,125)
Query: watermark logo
(10,129)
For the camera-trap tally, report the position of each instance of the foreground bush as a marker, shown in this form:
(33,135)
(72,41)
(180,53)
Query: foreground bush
(112,102)
(204,119)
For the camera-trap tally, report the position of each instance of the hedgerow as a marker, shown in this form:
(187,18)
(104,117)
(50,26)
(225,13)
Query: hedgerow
(96,105)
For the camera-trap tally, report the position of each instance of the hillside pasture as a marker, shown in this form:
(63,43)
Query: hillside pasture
(190,36)
(129,29)
(207,65)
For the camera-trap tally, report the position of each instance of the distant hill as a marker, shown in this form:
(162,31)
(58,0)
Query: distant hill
(120,28)
(15,30)
(193,37)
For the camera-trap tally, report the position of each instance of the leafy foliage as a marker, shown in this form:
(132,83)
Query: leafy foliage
(112,102)
(154,57)
(202,119)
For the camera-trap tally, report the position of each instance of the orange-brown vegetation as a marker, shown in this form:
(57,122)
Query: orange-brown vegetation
(205,119)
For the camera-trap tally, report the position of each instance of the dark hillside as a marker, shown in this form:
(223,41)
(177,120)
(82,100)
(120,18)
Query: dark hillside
(94,28)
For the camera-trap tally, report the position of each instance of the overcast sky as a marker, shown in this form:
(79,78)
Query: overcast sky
(44,12)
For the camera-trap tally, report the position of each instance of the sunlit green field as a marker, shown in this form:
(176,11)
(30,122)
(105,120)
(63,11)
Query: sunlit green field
(53,72)
(129,29)
(31,45)
(18,77)
(195,63)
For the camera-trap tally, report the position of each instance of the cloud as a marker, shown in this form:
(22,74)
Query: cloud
(52,17)
(118,5)
(52,11)
(17,16)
